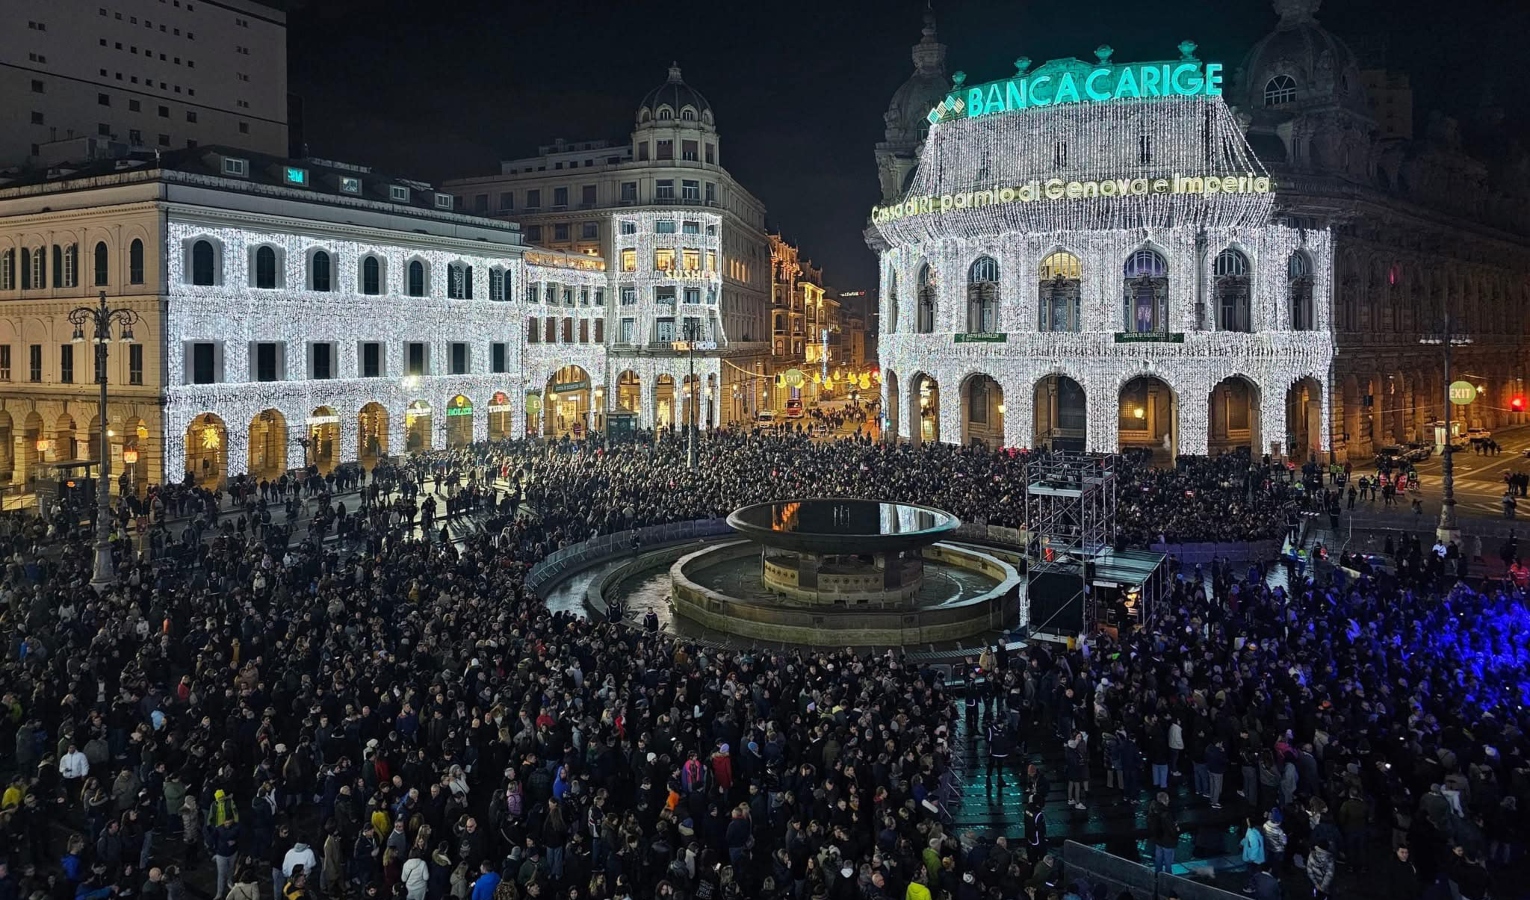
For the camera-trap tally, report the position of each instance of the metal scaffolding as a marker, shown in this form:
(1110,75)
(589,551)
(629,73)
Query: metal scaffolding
(1071,513)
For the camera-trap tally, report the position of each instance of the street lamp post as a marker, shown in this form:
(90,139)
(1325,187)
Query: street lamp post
(100,317)
(1447,530)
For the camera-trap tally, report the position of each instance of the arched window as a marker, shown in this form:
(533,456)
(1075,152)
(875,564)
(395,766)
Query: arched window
(666,114)
(103,268)
(892,301)
(204,263)
(265,267)
(1231,273)
(688,115)
(416,278)
(1059,307)
(983,296)
(1280,89)
(8,269)
(498,289)
(459,281)
(135,262)
(927,292)
(1145,303)
(34,268)
(371,276)
(66,265)
(1299,284)
(319,271)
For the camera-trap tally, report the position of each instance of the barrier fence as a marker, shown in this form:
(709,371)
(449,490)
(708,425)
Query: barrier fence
(554,566)
(1084,863)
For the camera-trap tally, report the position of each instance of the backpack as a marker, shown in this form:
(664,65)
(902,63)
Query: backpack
(515,802)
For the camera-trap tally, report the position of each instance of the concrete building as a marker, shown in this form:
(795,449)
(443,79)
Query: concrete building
(87,78)
(292,312)
(687,243)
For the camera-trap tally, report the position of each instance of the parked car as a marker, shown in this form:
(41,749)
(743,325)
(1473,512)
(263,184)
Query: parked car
(1418,451)
(1478,434)
(765,417)
(1391,453)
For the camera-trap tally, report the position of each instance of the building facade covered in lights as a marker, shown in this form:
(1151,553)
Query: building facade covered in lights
(1087,307)
(1087,256)
(292,313)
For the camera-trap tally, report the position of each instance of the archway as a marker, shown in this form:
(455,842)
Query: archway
(1304,419)
(1394,421)
(371,434)
(499,417)
(459,422)
(664,415)
(419,425)
(268,445)
(7,448)
(1061,414)
(207,451)
(923,410)
(30,446)
(1149,418)
(323,439)
(982,412)
(65,442)
(629,392)
(891,409)
(91,448)
(1234,423)
(568,403)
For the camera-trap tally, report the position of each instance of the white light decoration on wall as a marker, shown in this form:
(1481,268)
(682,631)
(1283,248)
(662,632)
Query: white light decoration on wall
(1187,137)
(646,278)
(237,316)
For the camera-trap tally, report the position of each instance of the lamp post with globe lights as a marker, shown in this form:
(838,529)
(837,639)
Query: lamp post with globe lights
(101,318)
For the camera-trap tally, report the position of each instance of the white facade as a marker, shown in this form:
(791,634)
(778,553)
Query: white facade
(77,75)
(1060,241)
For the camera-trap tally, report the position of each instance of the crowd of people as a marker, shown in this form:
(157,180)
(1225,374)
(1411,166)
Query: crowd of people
(383,710)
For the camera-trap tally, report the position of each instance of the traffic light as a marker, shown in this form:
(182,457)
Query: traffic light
(1517,404)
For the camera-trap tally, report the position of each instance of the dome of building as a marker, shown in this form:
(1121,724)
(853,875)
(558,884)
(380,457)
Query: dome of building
(672,99)
(911,103)
(1300,64)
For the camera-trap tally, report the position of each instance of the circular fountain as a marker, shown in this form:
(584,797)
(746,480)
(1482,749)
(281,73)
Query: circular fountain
(843,572)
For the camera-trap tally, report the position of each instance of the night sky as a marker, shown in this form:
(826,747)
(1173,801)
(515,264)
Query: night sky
(442,89)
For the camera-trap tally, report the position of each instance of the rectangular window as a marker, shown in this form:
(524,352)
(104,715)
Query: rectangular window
(34,363)
(664,149)
(692,295)
(104,99)
(371,360)
(481,203)
(533,331)
(711,260)
(629,260)
(664,226)
(498,363)
(664,296)
(534,233)
(643,152)
(267,361)
(415,363)
(629,191)
(560,197)
(459,358)
(584,331)
(5,362)
(691,190)
(629,296)
(589,231)
(584,296)
(1145,149)
(690,260)
(135,363)
(664,259)
(600,296)
(550,331)
(629,227)
(568,331)
(688,150)
(204,363)
(664,331)
(711,192)
(690,228)
(626,330)
(66,364)
(560,231)
(711,153)
(506,201)
(600,331)
(533,199)
(664,189)
(587,196)
(323,362)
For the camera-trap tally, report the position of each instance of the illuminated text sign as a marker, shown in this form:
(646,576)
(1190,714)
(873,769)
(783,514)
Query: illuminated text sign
(1059,189)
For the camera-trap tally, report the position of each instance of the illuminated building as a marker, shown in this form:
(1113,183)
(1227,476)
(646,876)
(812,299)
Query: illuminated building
(687,246)
(292,313)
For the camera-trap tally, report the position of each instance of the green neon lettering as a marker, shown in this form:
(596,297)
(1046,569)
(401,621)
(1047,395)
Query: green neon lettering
(1014,94)
(1149,76)
(975,103)
(1067,91)
(1127,86)
(1213,79)
(1036,99)
(1098,95)
(995,98)
(1186,87)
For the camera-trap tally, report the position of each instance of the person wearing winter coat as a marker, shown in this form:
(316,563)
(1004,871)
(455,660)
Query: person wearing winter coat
(1320,869)
(1252,844)
(1274,838)
(416,876)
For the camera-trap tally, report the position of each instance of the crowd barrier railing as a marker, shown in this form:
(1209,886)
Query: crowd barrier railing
(559,564)
(1081,862)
